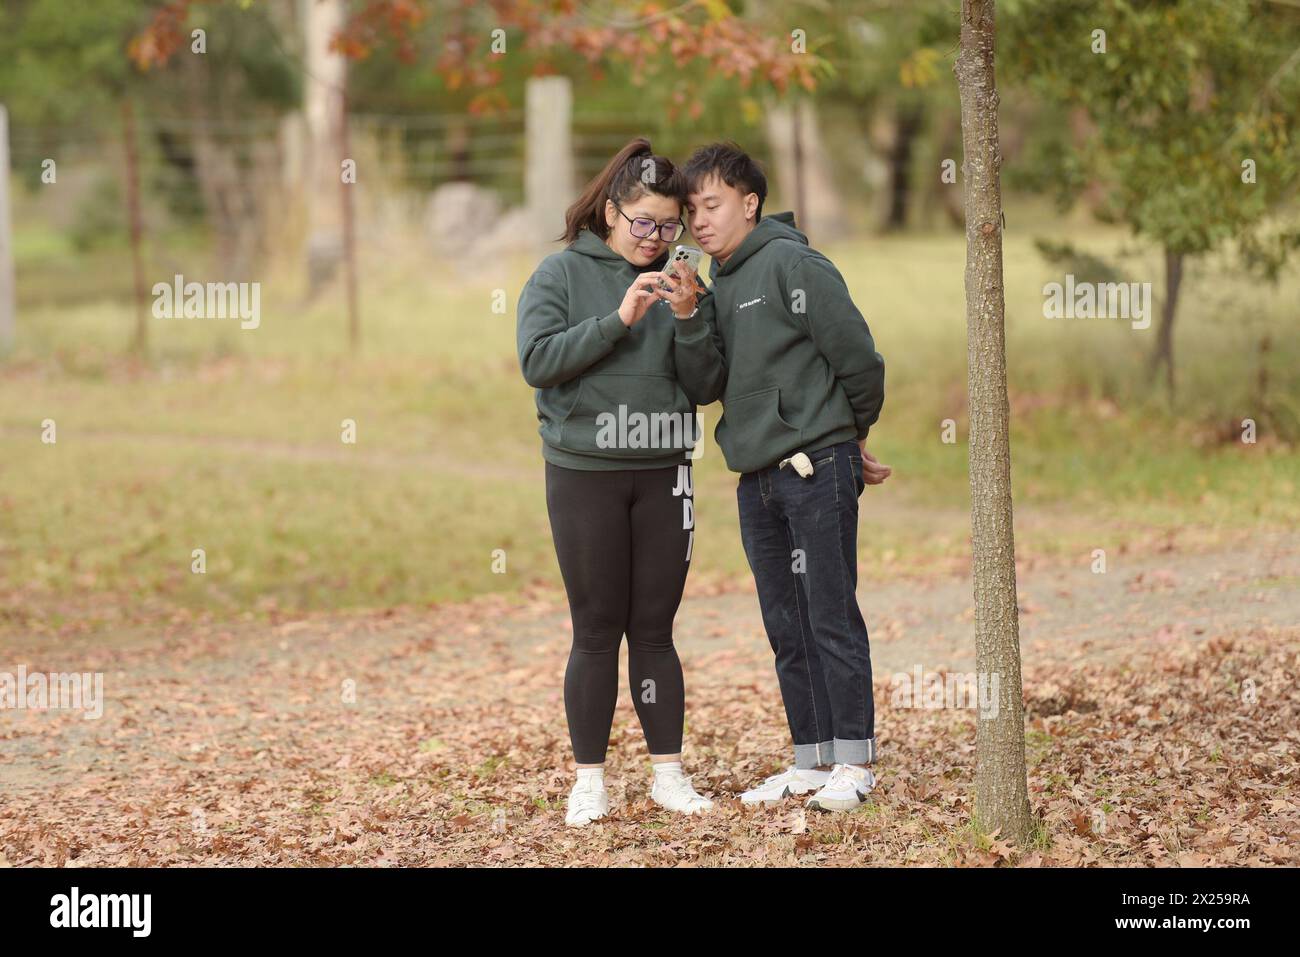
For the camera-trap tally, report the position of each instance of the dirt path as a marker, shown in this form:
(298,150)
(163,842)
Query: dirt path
(439,737)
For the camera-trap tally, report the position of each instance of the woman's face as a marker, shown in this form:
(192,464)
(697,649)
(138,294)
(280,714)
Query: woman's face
(649,206)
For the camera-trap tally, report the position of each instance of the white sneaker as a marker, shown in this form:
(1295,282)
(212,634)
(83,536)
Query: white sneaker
(587,801)
(783,785)
(675,792)
(846,789)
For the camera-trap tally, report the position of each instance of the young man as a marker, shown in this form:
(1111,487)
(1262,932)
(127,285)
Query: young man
(801,384)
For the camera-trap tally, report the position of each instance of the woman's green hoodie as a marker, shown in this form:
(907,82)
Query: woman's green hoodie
(610,397)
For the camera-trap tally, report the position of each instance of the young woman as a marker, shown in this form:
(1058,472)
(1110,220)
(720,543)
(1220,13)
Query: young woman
(616,361)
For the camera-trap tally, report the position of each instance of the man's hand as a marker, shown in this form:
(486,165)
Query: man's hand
(873,472)
(681,297)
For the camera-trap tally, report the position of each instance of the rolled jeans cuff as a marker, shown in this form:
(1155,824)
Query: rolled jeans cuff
(812,755)
(862,751)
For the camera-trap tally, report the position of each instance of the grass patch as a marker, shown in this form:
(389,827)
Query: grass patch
(230,441)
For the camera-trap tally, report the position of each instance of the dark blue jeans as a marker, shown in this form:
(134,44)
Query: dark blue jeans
(800,536)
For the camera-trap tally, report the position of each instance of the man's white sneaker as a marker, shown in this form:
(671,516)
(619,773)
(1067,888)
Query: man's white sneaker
(675,792)
(587,801)
(783,785)
(846,788)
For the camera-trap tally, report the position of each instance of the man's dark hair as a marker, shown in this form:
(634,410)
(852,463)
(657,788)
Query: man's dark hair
(730,164)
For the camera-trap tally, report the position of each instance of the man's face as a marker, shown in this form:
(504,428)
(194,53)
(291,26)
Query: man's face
(720,217)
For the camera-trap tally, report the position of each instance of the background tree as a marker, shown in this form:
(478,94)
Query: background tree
(1001,788)
(663,51)
(192,132)
(888,67)
(66,67)
(480,54)
(1195,106)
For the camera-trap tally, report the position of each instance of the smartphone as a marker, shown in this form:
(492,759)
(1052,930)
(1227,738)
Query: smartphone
(689,255)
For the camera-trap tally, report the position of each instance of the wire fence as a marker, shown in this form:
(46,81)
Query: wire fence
(234,187)
(419,151)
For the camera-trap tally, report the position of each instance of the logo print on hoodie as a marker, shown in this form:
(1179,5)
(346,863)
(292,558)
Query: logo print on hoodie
(751,302)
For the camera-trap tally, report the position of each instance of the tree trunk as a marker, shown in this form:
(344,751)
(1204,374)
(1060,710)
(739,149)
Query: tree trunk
(324,72)
(1001,789)
(349,228)
(908,121)
(800,192)
(946,197)
(227,184)
(805,177)
(135,222)
(1164,349)
(7,295)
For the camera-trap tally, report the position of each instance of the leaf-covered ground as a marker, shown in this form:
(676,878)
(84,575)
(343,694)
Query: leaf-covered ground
(1163,719)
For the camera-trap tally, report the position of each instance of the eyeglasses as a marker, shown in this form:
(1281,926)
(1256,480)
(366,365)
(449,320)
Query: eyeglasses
(645,228)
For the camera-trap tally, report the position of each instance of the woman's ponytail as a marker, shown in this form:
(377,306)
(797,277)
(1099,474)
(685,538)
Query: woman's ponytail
(623,176)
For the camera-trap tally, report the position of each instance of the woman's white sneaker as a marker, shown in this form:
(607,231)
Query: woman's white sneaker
(789,782)
(846,788)
(674,791)
(587,801)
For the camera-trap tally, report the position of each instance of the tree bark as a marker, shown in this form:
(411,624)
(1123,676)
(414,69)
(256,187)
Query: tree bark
(1001,789)
(1164,348)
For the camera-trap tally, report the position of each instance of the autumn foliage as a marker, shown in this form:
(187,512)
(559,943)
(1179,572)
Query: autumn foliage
(462,41)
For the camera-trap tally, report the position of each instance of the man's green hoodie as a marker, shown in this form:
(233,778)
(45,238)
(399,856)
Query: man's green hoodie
(797,367)
(585,363)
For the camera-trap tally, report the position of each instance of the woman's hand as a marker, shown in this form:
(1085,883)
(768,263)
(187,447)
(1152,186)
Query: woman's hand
(641,295)
(682,298)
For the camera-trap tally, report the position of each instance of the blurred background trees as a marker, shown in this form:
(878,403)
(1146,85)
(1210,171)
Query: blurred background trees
(1181,106)
(1167,156)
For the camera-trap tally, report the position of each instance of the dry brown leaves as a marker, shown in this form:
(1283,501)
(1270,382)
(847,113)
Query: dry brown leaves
(232,748)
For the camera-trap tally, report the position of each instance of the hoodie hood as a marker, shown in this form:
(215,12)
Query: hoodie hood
(775,226)
(589,244)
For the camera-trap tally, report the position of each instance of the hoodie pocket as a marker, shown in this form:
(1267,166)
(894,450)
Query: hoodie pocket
(629,415)
(755,428)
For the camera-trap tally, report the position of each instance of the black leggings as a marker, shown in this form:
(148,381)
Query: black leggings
(623,540)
